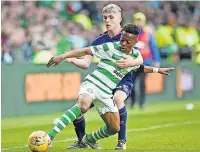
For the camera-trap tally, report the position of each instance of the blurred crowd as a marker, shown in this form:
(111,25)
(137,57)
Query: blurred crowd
(33,31)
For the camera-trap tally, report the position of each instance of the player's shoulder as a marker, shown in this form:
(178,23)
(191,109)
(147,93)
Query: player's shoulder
(101,36)
(135,51)
(136,47)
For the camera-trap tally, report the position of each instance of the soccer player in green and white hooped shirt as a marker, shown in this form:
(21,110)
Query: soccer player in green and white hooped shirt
(97,87)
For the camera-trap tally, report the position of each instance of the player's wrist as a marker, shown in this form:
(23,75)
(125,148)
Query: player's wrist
(63,56)
(155,70)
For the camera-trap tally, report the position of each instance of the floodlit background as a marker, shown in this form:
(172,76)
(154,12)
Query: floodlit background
(33,96)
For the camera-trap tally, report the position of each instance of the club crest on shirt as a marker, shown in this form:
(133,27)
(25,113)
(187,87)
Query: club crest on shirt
(90,90)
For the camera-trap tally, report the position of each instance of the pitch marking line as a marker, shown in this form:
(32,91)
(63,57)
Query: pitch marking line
(130,130)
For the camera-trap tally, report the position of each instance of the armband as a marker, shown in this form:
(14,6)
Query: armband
(155,70)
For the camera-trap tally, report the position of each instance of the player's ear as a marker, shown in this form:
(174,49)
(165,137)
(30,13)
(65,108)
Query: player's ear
(120,19)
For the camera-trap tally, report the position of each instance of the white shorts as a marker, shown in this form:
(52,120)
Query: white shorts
(103,102)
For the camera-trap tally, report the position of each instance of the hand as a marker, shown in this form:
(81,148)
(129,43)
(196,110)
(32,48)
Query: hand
(54,61)
(165,71)
(124,62)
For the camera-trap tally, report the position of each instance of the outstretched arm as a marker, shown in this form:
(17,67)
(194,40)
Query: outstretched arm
(83,63)
(74,53)
(148,69)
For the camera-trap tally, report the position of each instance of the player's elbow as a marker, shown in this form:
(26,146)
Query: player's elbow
(88,51)
(85,66)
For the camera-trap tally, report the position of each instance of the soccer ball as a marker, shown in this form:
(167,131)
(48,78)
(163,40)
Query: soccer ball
(38,141)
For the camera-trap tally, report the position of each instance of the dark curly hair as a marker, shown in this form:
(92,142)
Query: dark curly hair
(131,28)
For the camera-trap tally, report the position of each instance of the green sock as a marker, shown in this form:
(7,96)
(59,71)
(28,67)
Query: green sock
(68,117)
(102,133)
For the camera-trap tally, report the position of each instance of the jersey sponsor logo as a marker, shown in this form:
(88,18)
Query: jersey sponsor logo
(117,73)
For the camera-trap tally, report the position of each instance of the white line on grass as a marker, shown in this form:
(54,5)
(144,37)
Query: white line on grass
(17,147)
(163,126)
(130,130)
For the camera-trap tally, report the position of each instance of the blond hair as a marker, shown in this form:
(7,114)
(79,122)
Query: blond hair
(111,8)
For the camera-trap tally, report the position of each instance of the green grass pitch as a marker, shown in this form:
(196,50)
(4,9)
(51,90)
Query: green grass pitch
(161,127)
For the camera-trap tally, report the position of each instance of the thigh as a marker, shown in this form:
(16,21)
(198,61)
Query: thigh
(87,88)
(104,105)
(119,97)
(122,91)
(84,100)
(86,96)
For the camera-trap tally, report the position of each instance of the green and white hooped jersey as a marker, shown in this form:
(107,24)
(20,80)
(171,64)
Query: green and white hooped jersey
(107,75)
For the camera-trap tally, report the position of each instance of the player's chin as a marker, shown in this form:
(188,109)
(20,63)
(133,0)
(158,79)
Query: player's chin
(109,28)
(124,49)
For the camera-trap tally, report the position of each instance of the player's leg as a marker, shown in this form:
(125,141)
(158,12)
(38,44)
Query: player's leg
(108,111)
(142,90)
(79,127)
(83,103)
(120,95)
(110,128)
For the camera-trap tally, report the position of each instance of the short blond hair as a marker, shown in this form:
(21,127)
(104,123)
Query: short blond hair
(111,8)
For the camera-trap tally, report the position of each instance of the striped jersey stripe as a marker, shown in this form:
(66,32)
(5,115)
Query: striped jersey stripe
(107,75)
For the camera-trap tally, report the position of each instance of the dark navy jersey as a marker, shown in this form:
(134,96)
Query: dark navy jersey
(104,38)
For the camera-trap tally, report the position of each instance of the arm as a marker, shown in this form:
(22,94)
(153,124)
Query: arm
(96,51)
(148,69)
(154,50)
(74,53)
(128,62)
(136,61)
(83,63)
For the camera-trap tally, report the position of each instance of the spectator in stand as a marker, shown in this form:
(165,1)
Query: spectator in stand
(150,53)
(165,37)
(186,37)
(30,21)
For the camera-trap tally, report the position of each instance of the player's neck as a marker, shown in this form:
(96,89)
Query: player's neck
(114,32)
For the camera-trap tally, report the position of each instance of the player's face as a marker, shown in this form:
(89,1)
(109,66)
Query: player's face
(127,41)
(112,20)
